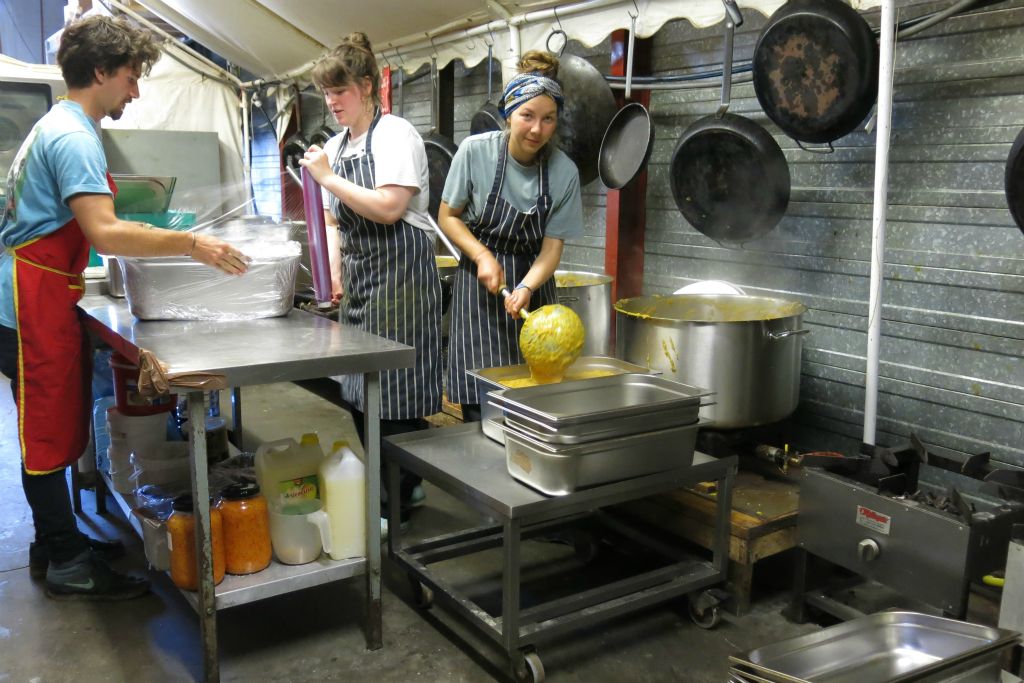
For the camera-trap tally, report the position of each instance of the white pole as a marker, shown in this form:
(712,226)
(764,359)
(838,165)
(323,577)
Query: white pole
(247,151)
(886,69)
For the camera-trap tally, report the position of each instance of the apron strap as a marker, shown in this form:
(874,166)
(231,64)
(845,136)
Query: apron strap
(13,251)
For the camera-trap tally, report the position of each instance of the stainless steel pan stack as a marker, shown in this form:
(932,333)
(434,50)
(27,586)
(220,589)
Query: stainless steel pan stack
(565,436)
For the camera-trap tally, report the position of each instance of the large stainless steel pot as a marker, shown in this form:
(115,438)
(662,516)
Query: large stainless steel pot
(746,349)
(590,296)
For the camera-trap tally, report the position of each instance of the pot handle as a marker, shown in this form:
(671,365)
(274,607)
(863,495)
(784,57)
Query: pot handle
(775,336)
(568,299)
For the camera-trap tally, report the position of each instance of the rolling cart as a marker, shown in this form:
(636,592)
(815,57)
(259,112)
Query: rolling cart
(463,462)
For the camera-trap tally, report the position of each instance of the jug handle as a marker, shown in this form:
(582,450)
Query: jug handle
(323,523)
(278,445)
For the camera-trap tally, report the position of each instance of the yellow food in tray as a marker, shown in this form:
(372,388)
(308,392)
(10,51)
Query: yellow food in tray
(521,382)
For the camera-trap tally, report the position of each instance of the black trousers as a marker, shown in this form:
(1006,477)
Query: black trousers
(407,480)
(47,494)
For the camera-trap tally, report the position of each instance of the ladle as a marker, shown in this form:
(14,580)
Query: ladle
(551,340)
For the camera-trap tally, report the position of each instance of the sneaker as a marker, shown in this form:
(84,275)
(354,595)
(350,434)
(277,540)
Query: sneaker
(39,561)
(418,497)
(92,579)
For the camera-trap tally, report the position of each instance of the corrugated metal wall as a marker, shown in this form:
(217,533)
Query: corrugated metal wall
(951,355)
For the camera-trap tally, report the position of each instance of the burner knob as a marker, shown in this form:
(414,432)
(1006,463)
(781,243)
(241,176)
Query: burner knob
(868,550)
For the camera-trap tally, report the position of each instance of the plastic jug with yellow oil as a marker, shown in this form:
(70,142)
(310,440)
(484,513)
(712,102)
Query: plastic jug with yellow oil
(342,489)
(287,471)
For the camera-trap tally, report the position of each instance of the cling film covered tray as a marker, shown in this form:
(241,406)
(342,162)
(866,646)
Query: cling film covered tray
(179,288)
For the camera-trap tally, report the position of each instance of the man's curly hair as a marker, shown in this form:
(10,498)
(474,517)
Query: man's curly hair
(105,44)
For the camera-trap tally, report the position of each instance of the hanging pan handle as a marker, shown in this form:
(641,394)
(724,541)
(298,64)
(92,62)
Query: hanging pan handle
(732,20)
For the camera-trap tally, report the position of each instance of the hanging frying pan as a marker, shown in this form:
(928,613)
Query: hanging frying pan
(294,148)
(1015,180)
(729,177)
(629,138)
(488,117)
(440,148)
(816,69)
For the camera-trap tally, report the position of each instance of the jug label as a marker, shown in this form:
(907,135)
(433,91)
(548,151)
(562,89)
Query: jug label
(292,491)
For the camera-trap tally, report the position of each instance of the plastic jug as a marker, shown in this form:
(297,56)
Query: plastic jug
(342,490)
(287,471)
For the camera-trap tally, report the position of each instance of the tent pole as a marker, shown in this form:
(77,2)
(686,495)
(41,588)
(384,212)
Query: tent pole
(247,149)
(235,81)
(887,65)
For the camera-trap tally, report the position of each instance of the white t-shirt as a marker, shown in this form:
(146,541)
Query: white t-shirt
(398,158)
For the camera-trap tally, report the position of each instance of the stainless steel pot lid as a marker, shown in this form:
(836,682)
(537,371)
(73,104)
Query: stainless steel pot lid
(709,308)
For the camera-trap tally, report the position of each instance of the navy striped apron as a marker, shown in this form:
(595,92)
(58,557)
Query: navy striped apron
(391,290)
(483,334)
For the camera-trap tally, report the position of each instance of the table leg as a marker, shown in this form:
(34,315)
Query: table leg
(236,417)
(371,413)
(204,547)
(510,587)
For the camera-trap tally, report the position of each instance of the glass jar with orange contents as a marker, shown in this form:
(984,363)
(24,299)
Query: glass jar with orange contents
(246,528)
(181,541)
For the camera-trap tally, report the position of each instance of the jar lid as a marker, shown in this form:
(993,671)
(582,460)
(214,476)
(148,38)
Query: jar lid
(240,491)
(183,503)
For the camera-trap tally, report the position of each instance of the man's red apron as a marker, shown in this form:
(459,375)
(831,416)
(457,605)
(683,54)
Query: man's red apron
(54,362)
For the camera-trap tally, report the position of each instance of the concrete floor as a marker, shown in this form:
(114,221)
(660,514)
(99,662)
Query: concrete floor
(317,634)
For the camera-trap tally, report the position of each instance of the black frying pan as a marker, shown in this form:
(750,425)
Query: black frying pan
(816,69)
(729,177)
(488,117)
(1015,180)
(628,140)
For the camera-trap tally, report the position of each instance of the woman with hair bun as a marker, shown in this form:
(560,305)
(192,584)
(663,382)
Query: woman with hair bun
(510,201)
(375,180)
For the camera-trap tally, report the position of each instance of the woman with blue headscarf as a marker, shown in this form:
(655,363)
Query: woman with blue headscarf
(510,201)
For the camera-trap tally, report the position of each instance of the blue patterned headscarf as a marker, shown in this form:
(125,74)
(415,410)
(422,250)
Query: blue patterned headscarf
(525,87)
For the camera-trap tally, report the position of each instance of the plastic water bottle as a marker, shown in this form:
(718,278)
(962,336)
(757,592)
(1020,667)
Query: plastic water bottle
(342,489)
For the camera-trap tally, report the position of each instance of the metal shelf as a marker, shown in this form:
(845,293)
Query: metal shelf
(277,579)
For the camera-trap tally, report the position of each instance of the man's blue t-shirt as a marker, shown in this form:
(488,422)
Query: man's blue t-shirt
(62,156)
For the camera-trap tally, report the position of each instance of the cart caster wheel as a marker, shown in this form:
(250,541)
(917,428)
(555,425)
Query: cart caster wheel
(530,669)
(705,610)
(422,596)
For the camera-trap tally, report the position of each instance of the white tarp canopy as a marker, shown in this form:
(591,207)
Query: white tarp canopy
(279,38)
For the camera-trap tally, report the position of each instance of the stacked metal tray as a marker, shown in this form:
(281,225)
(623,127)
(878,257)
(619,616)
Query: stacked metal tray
(565,436)
(887,647)
(492,379)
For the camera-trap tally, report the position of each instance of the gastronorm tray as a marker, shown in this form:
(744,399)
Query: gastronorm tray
(559,470)
(601,429)
(602,398)
(490,379)
(888,647)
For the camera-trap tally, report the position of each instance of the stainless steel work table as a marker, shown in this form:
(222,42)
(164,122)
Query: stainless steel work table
(293,347)
(465,463)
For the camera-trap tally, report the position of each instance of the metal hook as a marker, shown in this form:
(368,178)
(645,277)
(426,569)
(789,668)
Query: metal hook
(472,43)
(634,16)
(557,32)
(432,45)
(384,55)
(401,59)
(490,32)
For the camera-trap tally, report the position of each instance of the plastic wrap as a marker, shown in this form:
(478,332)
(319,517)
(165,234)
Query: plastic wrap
(179,288)
(317,235)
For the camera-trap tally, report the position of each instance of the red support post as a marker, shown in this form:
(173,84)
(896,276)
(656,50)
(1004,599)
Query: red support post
(626,213)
